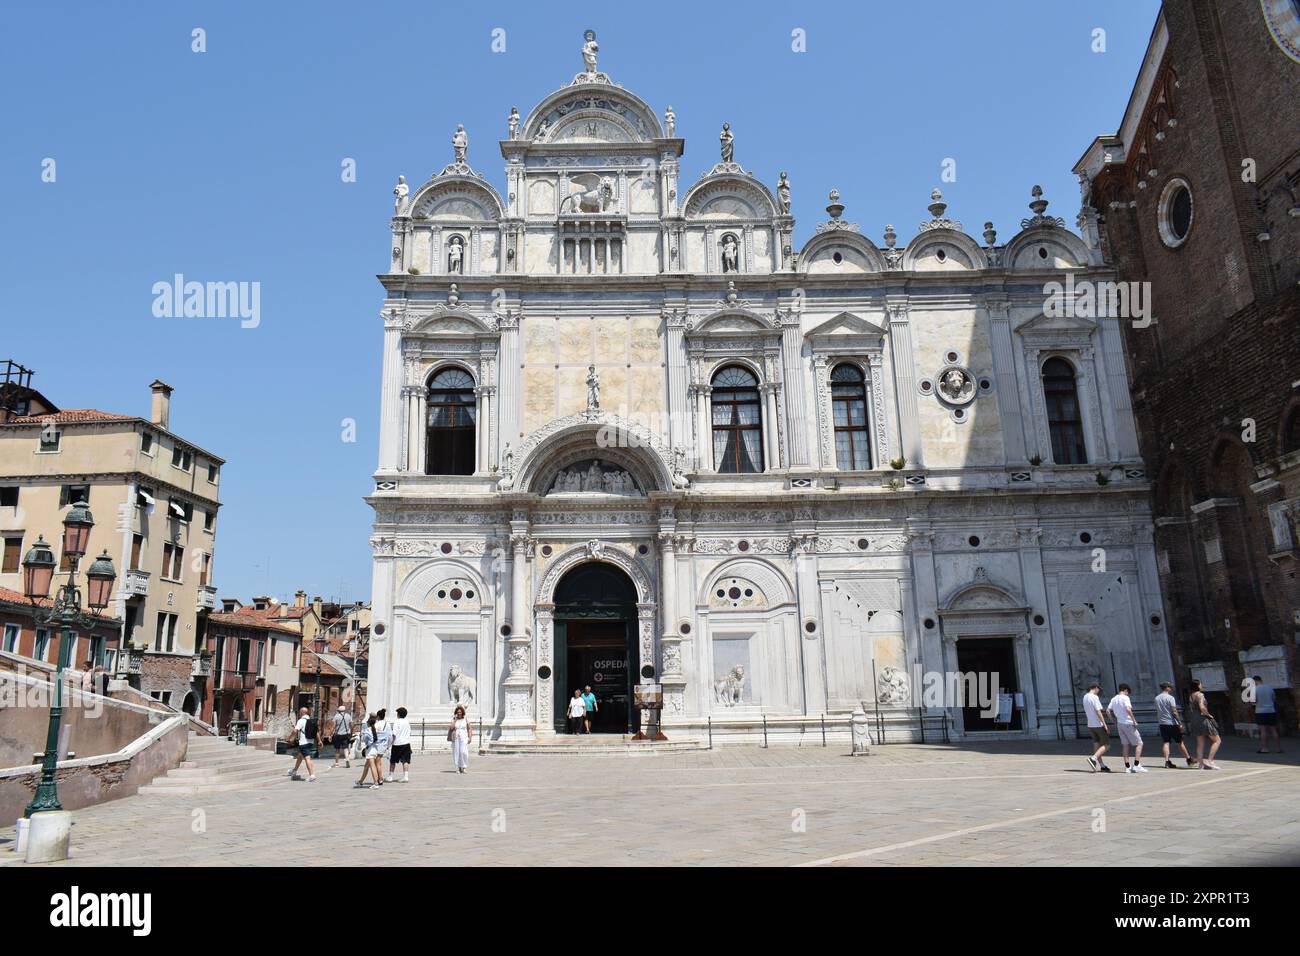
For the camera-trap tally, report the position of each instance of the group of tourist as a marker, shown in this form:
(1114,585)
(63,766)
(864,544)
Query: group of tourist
(378,739)
(1202,726)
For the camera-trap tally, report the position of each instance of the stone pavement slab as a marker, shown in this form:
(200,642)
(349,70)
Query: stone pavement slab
(998,804)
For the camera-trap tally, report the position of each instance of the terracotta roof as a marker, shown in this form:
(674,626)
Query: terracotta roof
(248,617)
(308,664)
(73,415)
(13,597)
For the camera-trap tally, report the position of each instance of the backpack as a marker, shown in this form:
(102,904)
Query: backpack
(310,730)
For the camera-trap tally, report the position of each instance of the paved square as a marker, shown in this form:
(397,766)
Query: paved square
(1020,804)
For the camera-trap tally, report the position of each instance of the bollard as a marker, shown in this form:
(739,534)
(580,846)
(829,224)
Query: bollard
(48,835)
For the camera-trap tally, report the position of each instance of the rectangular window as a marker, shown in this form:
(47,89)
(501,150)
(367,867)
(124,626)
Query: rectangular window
(137,545)
(70,493)
(50,439)
(270,698)
(11,637)
(257,711)
(13,555)
(9,496)
(204,561)
(146,442)
(209,520)
(165,635)
(177,556)
(180,510)
(182,458)
(42,649)
(261,659)
(166,697)
(144,499)
(168,551)
(212,474)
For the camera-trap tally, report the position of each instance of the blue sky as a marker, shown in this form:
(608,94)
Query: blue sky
(225,166)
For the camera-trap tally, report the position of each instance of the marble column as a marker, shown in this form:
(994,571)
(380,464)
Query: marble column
(900,346)
(798,422)
(1004,375)
(390,399)
(520,717)
(670,641)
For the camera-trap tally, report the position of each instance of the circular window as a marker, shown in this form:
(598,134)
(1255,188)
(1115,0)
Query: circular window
(941,255)
(469,594)
(958,414)
(544,672)
(547,550)
(1155,620)
(685,628)
(456,594)
(985,384)
(721,593)
(837,258)
(929,623)
(641,549)
(1042,252)
(1038,620)
(953,356)
(380,628)
(810,627)
(647,672)
(926,385)
(743,546)
(1085,537)
(1175,213)
(505,630)
(863,544)
(749,592)
(442,594)
(973,541)
(733,593)
(446,548)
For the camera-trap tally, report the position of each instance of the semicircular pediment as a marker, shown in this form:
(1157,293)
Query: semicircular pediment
(729,197)
(456,201)
(611,107)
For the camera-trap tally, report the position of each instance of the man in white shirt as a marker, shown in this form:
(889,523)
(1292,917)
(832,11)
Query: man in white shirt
(1097,728)
(307,732)
(401,752)
(1126,724)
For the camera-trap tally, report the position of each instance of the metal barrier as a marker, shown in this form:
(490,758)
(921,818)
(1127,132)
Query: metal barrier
(933,728)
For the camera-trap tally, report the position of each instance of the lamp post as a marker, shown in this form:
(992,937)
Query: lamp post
(67,612)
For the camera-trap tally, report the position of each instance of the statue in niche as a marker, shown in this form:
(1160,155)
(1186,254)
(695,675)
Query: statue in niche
(593,389)
(461,688)
(730,253)
(514,122)
(460,143)
(729,690)
(400,192)
(456,255)
(728,143)
(670,123)
(783,193)
(589,51)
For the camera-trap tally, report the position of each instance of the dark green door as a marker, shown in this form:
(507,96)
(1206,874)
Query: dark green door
(595,644)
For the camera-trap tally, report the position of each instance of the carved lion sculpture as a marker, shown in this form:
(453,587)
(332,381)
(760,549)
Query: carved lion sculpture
(729,690)
(590,200)
(460,686)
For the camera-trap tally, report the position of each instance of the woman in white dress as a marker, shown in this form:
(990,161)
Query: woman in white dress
(461,735)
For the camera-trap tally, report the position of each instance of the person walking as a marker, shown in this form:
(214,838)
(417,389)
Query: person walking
(1266,715)
(341,736)
(577,712)
(1171,725)
(1097,729)
(592,705)
(383,743)
(401,752)
(1122,707)
(461,735)
(1204,727)
(88,676)
(369,754)
(308,735)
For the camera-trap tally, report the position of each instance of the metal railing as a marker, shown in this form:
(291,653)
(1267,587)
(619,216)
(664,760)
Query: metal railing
(818,730)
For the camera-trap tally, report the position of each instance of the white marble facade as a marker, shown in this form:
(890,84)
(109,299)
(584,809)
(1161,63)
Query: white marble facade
(593,304)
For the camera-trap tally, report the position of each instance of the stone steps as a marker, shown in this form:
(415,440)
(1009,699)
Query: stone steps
(215,765)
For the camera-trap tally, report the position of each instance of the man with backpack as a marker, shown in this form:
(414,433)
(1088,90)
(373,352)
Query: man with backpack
(341,736)
(308,733)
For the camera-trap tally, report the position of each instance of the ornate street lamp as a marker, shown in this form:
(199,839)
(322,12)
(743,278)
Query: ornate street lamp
(66,611)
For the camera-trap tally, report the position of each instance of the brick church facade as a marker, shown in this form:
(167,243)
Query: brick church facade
(1198,194)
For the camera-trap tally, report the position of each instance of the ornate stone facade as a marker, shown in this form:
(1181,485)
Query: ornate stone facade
(819,471)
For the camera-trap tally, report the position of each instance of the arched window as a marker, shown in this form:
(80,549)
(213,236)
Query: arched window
(451,424)
(737,422)
(849,412)
(1063,420)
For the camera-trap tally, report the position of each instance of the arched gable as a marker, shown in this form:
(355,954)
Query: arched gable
(1045,247)
(959,252)
(416,590)
(857,254)
(457,199)
(773,584)
(613,107)
(729,197)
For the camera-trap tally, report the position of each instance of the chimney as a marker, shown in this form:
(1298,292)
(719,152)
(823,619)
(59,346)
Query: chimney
(316,605)
(300,599)
(160,410)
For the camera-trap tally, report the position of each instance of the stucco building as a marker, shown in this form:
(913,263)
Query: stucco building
(154,497)
(632,430)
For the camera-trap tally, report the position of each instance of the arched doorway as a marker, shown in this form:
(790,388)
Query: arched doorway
(595,643)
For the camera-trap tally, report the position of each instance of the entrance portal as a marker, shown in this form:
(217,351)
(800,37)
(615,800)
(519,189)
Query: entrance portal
(993,659)
(595,644)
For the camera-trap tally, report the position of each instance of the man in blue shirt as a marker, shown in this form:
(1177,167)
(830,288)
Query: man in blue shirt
(589,699)
(1266,715)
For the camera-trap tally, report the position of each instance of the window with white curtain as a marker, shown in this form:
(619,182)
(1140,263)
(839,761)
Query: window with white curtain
(737,422)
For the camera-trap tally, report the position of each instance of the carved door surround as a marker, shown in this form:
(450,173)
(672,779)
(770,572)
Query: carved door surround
(1074,339)
(847,338)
